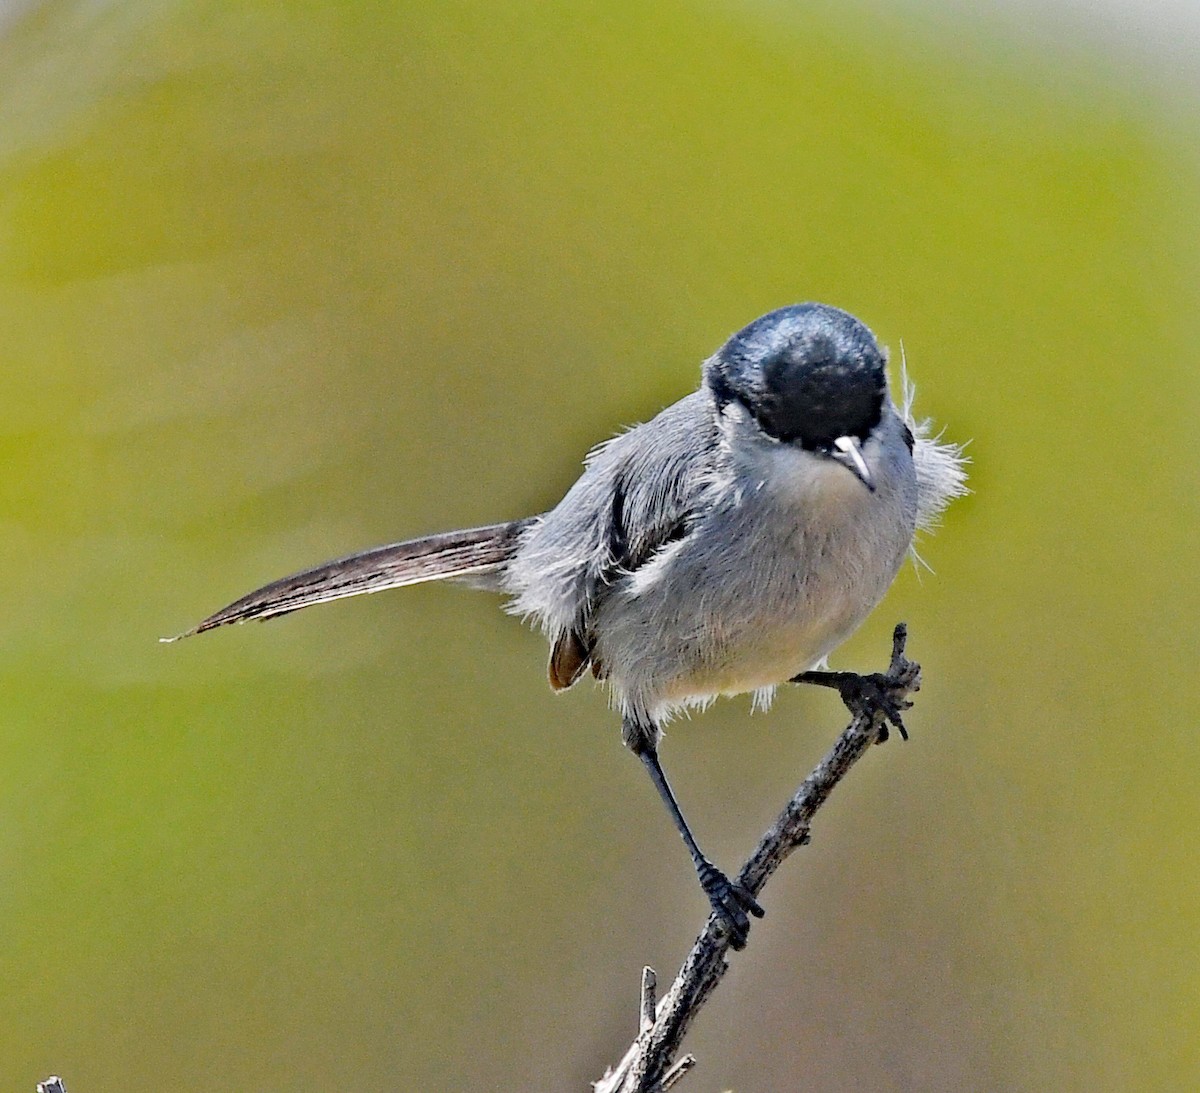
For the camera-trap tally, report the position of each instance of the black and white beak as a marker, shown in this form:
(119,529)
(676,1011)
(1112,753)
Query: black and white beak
(847,450)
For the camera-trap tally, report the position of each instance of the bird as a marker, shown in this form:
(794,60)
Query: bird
(726,546)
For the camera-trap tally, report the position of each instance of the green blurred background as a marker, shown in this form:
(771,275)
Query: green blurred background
(281,281)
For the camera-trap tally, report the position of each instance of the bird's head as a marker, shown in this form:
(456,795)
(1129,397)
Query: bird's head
(810,375)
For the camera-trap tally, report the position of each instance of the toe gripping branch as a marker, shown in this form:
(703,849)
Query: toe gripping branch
(732,903)
(881,696)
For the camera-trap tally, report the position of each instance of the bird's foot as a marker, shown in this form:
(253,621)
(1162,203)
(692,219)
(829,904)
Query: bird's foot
(731,903)
(880,696)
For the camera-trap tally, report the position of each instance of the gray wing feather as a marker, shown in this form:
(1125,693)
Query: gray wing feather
(640,492)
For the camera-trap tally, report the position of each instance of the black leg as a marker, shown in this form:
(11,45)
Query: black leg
(870,694)
(730,901)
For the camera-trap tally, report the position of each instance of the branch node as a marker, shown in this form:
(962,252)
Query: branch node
(678,1071)
(649,998)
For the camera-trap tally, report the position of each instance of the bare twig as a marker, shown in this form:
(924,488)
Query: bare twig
(649,1065)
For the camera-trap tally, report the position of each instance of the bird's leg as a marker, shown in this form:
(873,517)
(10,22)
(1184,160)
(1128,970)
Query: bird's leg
(880,695)
(730,901)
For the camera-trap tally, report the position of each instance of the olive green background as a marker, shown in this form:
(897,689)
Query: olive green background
(282,281)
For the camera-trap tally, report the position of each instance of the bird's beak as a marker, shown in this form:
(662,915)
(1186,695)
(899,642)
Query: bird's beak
(847,450)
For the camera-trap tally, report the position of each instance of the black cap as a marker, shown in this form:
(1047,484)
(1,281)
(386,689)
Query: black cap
(809,374)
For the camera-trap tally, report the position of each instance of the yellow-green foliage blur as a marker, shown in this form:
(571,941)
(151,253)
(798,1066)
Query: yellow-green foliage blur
(282,281)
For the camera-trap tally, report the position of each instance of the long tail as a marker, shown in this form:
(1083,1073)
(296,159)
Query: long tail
(474,552)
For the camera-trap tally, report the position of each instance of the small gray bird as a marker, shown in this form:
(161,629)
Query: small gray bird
(728,545)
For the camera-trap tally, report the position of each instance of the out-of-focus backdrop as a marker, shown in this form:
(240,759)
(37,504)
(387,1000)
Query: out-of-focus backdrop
(282,281)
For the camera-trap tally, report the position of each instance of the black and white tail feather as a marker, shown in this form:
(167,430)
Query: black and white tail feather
(475,555)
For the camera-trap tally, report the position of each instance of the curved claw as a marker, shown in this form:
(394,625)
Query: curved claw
(731,903)
(877,693)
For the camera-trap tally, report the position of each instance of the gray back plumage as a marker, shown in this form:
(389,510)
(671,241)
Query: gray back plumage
(638,493)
